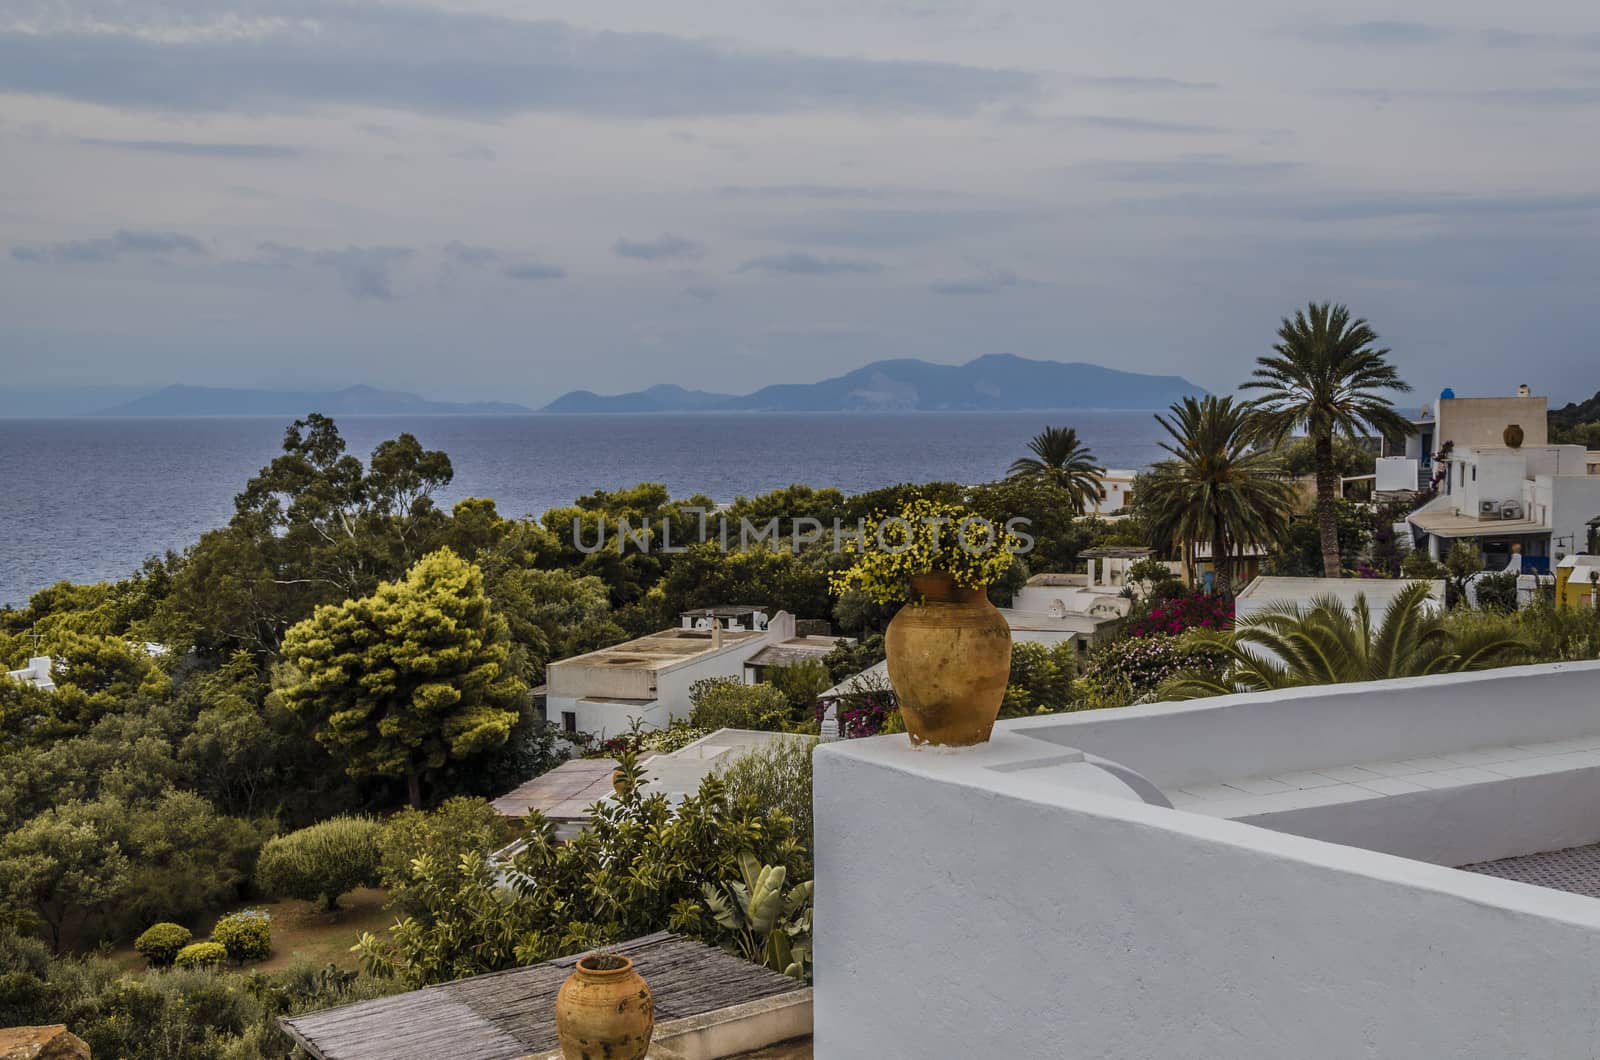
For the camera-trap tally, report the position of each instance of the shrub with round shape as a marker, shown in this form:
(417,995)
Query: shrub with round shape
(202,955)
(246,935)
(324,861)
(160,943)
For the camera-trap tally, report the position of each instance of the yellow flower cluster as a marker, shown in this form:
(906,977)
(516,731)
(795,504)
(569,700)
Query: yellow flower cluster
(923,537)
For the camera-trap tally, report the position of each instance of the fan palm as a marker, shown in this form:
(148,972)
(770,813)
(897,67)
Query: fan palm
(1327,642)
(1065,463)
(1325,377)
(1216,488)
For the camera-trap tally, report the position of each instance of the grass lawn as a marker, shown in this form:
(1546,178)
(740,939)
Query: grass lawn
(303,929)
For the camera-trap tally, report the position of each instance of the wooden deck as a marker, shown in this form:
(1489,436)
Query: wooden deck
(511,1014)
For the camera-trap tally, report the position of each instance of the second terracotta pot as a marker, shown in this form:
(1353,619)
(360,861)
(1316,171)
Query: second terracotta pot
(949,661)
(604,1009)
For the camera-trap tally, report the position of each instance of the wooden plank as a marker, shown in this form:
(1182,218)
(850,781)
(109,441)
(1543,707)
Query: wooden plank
(510,1014)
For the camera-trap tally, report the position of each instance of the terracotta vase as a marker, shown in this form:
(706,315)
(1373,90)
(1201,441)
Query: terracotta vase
(604,1009)
(1513,436)
(949,660)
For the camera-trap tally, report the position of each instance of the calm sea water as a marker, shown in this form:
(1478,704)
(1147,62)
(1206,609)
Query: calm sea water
(89,499)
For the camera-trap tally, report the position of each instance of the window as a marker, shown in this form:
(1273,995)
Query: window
(569,721)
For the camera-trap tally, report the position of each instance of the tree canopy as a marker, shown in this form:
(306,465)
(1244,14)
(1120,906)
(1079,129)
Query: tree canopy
(402,681)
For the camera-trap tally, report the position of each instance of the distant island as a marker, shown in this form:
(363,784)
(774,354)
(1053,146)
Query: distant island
(351,401)
(996,382)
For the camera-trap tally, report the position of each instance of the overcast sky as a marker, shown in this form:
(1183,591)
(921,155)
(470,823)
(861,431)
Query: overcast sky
(458,198)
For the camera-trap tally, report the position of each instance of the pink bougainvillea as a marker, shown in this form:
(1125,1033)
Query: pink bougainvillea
(1181,613)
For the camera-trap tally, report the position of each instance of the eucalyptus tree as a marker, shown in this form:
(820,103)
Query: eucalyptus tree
(1327,376)
(1065,463)
(1326,642)
(1217,488)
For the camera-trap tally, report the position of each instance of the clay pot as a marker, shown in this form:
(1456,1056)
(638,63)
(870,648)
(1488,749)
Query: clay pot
(605,1010)
(1513,436)
(949,660)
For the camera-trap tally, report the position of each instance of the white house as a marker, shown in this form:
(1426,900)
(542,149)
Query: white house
(648,679)
(1536,500)
(36,673)
(1118,484)
(1454,422)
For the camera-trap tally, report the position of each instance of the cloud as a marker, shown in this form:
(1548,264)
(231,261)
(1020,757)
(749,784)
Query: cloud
(183,55)
(1331,205)
(122,243)
(471,256)
(1510,38)
(1383,33)
(661,248)
(533,272)
(989,282)
(476,257)
(830,191)
(1377,33)
(875,228)
(193,149)
(365,272)
(1120,123)
(1188,169)
(800,263)
(1148,84)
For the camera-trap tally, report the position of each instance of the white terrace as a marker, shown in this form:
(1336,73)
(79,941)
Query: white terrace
(1254,876)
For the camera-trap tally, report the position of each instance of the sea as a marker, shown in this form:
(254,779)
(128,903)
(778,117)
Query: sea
(88,499)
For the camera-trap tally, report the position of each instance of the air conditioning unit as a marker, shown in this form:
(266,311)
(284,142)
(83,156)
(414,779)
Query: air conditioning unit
(1488,509)
(1511,510)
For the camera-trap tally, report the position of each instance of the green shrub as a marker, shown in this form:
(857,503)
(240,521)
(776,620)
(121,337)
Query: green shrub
(729,703)
(325,861)
(160,943)
(1498,591)
(777,777)
(1041,678)
(246,935)
(457,826)
(800,683)
(1419,565)
(202,955)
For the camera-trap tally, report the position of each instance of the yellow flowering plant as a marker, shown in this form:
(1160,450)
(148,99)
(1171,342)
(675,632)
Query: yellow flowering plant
(925,537)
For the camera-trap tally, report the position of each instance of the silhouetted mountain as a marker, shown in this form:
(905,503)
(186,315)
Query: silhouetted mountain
(352,401)
(663,397)
(997,382)
(1576,412)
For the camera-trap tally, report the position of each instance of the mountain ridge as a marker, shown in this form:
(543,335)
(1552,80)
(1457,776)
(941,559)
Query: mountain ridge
(1000,382)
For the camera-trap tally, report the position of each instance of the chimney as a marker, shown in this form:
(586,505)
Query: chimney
(1523,391)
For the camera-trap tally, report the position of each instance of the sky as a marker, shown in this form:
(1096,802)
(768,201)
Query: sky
(489,199)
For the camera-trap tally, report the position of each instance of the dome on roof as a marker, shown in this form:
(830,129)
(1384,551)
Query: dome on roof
(1446,394)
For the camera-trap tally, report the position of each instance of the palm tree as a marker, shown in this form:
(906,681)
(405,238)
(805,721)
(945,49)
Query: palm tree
(1325,377)
(1216,488)
(1326,642)
(1065,463)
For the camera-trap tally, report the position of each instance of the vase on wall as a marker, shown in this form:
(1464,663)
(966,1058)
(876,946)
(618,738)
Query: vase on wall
(949,660)
(604,1009)
(1513,436)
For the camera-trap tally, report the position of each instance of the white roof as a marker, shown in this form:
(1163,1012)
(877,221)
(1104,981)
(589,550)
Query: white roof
(874,676)
(1380,592)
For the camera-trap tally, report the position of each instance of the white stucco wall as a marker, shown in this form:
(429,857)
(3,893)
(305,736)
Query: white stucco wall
(1212,740)
(978,910)
(1396,473)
